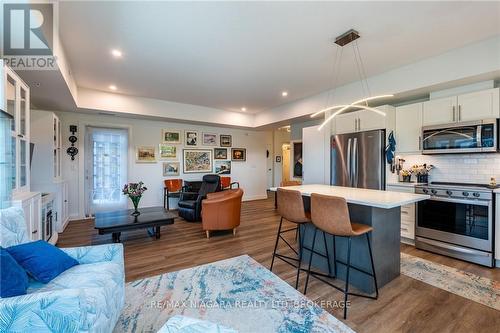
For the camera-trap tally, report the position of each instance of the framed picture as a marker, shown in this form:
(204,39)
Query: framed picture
(197,161)
(223,167)
(171,169)
(297,159)
(220,153)
(167,151)
(209,139)
(238,154)
(173,137)
(145,154)
(225,140)
(278,159)
(191,138)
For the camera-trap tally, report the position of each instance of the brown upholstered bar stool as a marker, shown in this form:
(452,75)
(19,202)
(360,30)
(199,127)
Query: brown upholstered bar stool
(331,215)
(291,208)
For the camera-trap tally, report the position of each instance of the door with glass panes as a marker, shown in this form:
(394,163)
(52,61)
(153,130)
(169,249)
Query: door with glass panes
(105,169)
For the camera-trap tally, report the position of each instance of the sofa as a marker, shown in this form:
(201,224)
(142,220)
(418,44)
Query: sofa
(88,297)
(190,202)
(222,211)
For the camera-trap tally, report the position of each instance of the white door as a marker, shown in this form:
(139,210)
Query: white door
(408,128)
(369,120)
(105,169)
(478,105)
(313,155)
(440,111)
(346,123)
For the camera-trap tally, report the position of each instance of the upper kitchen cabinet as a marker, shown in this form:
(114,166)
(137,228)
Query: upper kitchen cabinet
(346,123)
(365,120)
(478,105)
(439,111)
(408,128)
(466,107)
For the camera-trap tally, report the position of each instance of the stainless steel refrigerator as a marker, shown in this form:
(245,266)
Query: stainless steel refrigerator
(357,160)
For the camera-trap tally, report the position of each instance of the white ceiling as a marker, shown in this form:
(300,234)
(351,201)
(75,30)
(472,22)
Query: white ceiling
(232,54)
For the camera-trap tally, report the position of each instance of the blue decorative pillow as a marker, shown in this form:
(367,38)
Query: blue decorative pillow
(42,260)
(14,280)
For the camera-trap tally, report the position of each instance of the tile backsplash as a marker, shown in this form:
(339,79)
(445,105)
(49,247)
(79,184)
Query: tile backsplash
(466,168)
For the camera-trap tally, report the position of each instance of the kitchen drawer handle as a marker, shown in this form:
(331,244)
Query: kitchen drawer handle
(404,212)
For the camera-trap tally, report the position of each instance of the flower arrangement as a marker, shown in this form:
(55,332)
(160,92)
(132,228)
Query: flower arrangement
(406,174)
(422,172)
(134,191)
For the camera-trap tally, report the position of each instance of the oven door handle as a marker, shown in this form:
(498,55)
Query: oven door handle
(451,247)
(463,201)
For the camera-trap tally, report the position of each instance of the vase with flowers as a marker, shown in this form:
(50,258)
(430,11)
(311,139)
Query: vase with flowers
(134,191)
(406,175)
(422,172)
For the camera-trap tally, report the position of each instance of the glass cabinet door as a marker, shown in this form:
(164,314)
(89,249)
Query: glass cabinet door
(23,112)
(11,95)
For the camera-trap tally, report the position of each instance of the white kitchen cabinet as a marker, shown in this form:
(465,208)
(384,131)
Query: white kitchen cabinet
(369,120)
(364,120)
(407,213)
(346,123)
(409,128)
(439,111)
(478,105)
(31,203)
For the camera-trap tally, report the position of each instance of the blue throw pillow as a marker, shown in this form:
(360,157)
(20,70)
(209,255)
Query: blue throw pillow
(42,260)
(13,278)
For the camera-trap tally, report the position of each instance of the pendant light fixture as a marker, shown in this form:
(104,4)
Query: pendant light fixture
(350,37)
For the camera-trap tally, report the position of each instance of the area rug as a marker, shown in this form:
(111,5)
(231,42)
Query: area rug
(478,289)
(238,293)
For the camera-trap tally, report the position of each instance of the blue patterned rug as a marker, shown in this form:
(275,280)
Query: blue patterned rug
(239,293)
(471,286)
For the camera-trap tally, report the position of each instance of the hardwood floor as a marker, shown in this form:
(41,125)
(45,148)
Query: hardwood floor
(404,305)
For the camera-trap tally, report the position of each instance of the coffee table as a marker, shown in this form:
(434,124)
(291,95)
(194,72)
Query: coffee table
(118,221)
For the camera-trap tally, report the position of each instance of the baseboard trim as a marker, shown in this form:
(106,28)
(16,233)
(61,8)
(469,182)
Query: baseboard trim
(255,197)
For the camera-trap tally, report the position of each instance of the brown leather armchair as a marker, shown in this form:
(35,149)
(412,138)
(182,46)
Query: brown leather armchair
(221,211)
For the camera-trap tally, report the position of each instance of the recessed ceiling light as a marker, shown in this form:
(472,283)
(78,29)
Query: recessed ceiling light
(284,93)
(116,53)
(112,87)
(243,109)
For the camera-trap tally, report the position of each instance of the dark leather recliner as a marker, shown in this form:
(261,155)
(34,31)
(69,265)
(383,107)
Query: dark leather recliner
(190,202)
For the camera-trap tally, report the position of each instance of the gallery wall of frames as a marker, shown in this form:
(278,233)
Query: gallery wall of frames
(193,151)
(176,150)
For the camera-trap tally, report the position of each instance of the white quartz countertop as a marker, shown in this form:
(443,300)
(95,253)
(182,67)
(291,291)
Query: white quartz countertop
(361,196)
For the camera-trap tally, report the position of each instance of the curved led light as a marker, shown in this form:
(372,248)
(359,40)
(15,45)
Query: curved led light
(352,104)
(345,107)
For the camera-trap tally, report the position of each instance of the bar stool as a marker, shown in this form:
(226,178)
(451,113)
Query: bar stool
(331,215)
(291,208)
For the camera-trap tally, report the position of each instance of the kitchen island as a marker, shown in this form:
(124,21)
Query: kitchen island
(379,209)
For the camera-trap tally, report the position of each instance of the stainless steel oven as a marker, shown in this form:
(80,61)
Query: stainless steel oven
(468,137)
(457,221)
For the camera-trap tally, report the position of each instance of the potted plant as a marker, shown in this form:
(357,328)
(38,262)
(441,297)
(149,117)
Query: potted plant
(134,191)
(406,174)
(422,172)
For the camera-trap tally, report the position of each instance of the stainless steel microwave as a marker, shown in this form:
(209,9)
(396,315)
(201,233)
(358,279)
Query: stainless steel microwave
(467,137)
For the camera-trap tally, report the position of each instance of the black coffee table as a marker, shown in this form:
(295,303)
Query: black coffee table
(118,221)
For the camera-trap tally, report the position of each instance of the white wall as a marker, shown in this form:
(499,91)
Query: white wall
(251,174)
(465,168)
